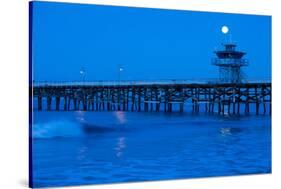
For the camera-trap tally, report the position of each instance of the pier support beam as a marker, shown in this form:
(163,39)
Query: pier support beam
(49,103)
(57,103)
(40,103)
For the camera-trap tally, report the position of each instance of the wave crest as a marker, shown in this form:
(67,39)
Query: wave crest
(56,129)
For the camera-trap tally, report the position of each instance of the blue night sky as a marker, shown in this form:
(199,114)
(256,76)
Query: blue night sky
(148,43)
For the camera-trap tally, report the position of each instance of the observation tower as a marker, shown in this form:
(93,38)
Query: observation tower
(230,61)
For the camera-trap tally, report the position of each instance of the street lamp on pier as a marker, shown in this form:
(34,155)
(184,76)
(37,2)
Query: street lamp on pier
(120,70)
(83,73)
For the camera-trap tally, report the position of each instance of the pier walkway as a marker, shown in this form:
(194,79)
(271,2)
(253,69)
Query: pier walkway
(162,95)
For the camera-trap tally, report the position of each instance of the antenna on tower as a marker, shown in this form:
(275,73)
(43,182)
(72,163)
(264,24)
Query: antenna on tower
(230,37)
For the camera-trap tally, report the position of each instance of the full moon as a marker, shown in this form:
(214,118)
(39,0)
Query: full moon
(224,29)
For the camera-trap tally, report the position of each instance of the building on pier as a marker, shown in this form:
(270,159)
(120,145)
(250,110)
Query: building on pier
(230,61)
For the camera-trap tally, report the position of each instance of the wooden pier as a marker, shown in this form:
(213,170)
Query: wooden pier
(218,98)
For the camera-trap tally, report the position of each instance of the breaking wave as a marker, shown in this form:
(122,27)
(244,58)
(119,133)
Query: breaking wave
(61,129)
(56,129)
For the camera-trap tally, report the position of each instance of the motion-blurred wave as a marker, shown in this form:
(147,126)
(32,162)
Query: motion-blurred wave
(56,129)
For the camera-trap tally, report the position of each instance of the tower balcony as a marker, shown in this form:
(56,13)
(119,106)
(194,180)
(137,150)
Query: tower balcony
(230,62)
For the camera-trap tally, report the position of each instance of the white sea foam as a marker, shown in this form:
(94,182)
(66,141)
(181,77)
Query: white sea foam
(56,129)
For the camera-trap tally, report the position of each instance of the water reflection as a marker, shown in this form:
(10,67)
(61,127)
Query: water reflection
(81,116)
(225,131)
(120,117)
(82,151)
(120,146)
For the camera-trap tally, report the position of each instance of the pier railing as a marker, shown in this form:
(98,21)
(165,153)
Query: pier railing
(140,82)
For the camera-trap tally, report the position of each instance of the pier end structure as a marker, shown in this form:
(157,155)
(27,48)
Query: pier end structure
(230,61)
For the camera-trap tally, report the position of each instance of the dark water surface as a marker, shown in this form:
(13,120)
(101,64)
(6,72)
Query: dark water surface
(74,148)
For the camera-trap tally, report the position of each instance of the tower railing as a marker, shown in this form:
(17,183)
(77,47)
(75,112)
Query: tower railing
(230,62)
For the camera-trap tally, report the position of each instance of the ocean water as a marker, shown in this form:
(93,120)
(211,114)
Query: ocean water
(76,148)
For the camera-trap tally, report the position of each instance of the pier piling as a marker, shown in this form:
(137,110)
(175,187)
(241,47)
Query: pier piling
(223,98)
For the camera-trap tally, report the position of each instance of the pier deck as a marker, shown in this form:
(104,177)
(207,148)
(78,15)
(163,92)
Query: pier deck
(167,96)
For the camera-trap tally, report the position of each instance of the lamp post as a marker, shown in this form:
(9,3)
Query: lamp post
(83,73)
(120,69)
